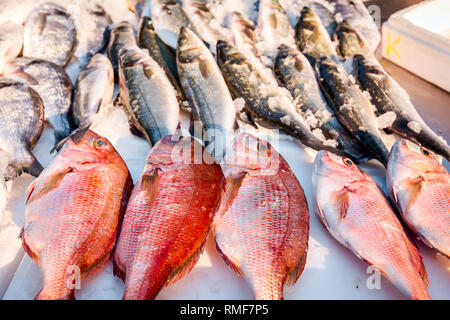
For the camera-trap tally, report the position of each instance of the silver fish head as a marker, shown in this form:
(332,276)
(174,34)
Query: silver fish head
(189,46)
(288,56)
(227,52)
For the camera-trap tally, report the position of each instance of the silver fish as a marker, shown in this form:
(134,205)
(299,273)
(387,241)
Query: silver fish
(92,29)
(21,124)
(312,37)
(388,96)
(50,34)
(209,29)
(243,31)
(11,41)
(274,27)
(122,35)
(352,107)
(206,90)
(93,90)
(351,42)
(150,99)
(294,72)
(160,52)
(265,103)
(356,13)
(168,17)
(326,17)
(53,85)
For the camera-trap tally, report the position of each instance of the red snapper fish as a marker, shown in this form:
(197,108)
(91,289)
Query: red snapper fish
(420,186)
(72,212)
(357,214)
(262,226)
(168,217)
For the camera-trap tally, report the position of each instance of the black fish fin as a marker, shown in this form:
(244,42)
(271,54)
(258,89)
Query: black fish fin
(35,168)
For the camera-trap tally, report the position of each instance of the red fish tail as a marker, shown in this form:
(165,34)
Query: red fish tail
(145,284)
(45,295)
(265,290)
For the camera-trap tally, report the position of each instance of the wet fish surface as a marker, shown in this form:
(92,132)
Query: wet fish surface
(168,217)
(356,13)
(262,226)
(72,212)
(357,214)
(160,52)
(326,17)
(208,28)
(312,37)
(93,90)
(11,42)
(294,72)
(264,103)
(388,96)
(274,27)
(168,17)
(52,84)
(50,34)
(351,43)
(352,107)
(420,186)
(206,90)
(21,124)
(150,100)
(93,31)
(121,36)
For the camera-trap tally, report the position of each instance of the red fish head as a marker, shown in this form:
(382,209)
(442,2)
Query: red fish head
(252,154)
(414,157)
(333,167)
(173,149)
(86,147)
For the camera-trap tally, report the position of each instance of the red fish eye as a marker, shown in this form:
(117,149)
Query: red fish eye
(99,143)
(348,162)
(425,151)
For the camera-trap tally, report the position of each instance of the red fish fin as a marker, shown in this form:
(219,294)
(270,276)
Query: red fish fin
(52,183)
(412,189)
(100,263)
(30,190)
(187,266)
(229,263)
(295,273)
(26,247)
(117,271)
(342,202)
(232,185)
(417,260)
(320,214)
(150,182)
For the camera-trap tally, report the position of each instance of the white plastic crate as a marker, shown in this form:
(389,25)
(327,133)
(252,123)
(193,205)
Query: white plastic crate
(418,39)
